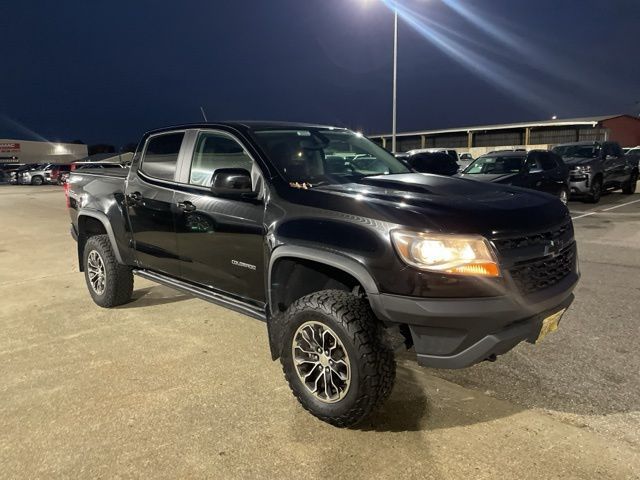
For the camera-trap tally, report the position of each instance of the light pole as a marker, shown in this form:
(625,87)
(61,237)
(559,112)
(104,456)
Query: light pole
(395,73)
(395,77)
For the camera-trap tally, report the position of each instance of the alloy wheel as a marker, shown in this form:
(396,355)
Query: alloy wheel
(96,271)
(321,362)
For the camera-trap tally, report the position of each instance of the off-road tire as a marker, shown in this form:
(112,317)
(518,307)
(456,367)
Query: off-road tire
(118,278)
(596,191)
(630,186)
(373,366)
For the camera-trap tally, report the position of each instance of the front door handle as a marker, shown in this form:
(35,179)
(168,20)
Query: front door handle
(186,206)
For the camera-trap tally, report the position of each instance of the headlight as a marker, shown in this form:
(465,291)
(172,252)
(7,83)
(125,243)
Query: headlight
(580,169)
(456,254)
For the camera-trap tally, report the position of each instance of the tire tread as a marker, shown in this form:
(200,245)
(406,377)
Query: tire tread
(119,280)
(367,335)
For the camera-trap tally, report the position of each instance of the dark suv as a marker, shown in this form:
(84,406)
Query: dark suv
(537,169)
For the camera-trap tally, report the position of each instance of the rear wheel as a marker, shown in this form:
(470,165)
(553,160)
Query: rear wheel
(630,186)
(110,284)
(596,191)
(335,357)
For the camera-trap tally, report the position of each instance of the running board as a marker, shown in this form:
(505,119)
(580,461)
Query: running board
(204,294)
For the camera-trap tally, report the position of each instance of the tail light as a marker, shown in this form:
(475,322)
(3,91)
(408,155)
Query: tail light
(66,194)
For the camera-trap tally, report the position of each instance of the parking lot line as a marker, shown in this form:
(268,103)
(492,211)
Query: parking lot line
(593,212)
(618,206)
(583,215)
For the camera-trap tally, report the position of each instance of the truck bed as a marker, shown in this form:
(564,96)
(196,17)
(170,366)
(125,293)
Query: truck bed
(107,172)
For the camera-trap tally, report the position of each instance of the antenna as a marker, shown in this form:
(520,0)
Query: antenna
(204,115)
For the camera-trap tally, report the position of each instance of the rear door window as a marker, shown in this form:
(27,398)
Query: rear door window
(161,155)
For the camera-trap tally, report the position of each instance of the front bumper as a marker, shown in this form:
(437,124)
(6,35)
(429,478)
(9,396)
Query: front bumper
(457,333)
(580,185)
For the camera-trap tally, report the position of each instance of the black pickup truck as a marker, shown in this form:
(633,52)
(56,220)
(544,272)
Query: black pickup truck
(340,248)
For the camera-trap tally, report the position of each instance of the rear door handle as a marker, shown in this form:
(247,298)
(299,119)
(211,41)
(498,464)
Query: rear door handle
(186,206)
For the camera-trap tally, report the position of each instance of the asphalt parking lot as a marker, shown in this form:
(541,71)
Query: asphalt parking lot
(169,386)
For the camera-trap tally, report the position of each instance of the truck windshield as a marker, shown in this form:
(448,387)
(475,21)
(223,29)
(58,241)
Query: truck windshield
(495,165)
(325,156)
(577,151)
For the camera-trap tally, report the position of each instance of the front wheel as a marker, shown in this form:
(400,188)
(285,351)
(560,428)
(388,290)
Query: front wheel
(37,180)
(110,284)
(630,187)
(596,191)
(335,357)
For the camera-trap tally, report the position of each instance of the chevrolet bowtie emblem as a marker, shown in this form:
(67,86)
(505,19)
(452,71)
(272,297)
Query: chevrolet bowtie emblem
(553,247)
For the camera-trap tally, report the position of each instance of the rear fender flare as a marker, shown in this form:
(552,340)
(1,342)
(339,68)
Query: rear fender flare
(104,220)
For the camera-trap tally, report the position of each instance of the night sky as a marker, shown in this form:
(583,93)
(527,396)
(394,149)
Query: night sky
(106,71)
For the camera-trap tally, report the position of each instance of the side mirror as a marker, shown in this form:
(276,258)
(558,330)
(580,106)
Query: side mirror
(232,183)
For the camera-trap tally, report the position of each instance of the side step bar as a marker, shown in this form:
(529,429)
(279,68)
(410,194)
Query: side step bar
(204,294)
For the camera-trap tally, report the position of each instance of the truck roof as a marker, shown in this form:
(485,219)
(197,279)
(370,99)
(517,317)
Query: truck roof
(244,125)
(584,142)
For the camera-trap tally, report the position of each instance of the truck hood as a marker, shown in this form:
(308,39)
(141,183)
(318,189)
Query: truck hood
(575,161)
(496,178)
(440,203)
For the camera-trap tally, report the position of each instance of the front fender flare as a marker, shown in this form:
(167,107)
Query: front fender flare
(275,319)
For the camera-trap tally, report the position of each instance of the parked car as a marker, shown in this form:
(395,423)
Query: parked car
(633,153)
(338,263)
(16,174)
(54,175)
(452,153)
(6,169)
(538,170)
(596,167)
(437,163)
(36,175)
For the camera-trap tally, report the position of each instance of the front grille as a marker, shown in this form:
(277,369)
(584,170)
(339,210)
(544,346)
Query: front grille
(539,274)
(542,238)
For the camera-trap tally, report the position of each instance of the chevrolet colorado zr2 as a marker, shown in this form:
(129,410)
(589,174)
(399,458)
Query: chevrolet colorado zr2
(345,252)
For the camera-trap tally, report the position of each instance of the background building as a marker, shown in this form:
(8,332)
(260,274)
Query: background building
(478,140)
(27,151)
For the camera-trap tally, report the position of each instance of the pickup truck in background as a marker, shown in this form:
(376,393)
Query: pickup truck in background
(345,252)
(595,167)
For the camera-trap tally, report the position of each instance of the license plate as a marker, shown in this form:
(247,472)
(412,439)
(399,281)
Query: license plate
(550,324)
